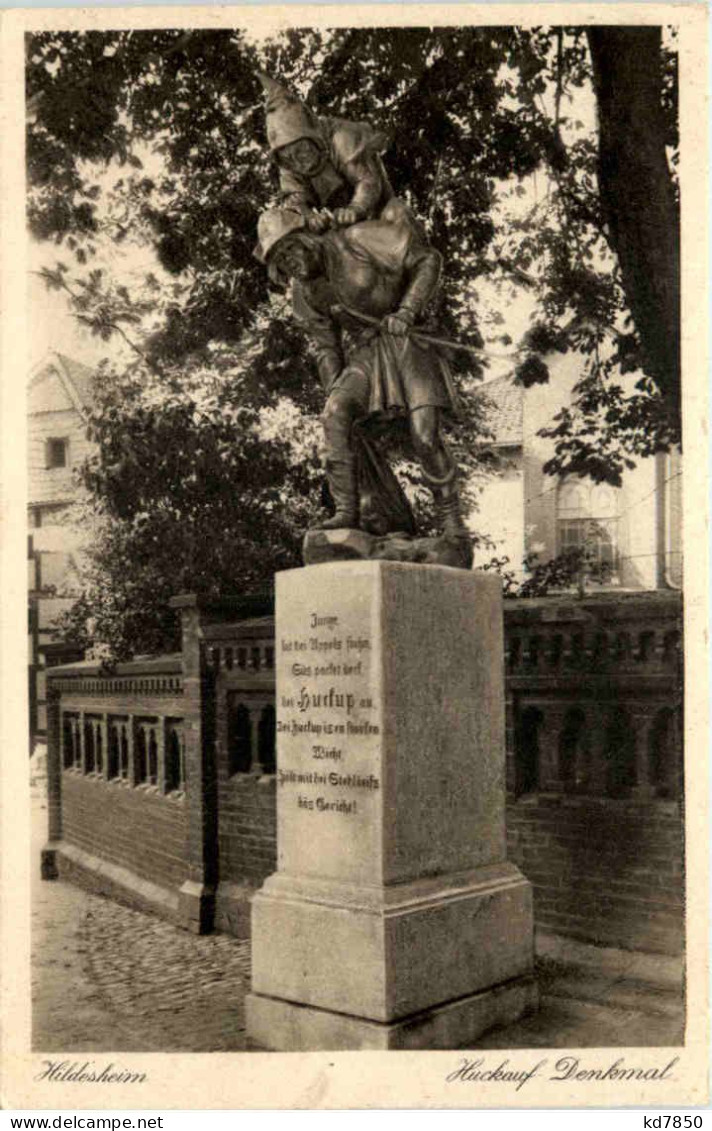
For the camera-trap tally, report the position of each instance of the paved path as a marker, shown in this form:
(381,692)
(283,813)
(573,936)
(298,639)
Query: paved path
(106,977)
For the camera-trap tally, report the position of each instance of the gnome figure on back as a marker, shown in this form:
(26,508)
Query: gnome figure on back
(330,169)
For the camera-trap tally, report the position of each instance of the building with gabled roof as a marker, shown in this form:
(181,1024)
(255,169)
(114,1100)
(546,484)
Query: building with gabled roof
(59,389)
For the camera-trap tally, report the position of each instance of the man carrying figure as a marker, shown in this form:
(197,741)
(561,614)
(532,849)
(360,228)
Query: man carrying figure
(358,291)
(330,169)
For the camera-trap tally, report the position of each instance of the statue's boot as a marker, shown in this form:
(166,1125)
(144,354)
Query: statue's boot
(452,521)
(447,502)
(341,475)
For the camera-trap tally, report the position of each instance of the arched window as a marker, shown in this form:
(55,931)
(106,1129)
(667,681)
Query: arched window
(646,646)
(152,757)
(600,648)
(124,760)
(622,647)
(534,651)
(556,650)
(527,751)
(99,752)
(671,647)
(587,519)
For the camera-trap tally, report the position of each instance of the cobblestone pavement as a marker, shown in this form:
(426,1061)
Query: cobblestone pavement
(106,977)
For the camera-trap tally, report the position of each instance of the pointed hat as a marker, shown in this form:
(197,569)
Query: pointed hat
(273,225)
(287,118)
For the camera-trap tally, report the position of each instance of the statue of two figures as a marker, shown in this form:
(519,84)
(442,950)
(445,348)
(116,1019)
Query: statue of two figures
(362,276)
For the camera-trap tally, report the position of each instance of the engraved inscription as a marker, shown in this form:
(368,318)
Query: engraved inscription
(326,695)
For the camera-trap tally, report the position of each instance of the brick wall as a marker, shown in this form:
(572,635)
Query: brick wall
(248,829)
(594,765)
(129,826)
(594,768)
(603,870)
(118,793)
(606,869)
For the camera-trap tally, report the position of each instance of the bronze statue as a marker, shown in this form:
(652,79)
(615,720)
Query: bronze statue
(330,169)
(359,292)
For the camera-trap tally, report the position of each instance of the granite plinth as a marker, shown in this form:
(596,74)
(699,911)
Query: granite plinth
(393,897)
(385,953)
(274,1024)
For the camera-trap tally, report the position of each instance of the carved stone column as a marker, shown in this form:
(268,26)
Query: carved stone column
(255,713)
(642,717)
(102,732)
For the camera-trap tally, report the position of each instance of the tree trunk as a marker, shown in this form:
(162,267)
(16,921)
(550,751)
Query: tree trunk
(638,196)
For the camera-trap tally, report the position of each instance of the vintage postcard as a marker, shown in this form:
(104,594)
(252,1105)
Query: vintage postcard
(355,557)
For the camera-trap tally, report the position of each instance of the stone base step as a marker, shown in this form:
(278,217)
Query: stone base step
(659,971)
(621,994)
(631,981)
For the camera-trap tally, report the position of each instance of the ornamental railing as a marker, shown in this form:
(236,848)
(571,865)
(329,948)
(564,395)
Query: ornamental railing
(126,727)
(594,695)
(167,764)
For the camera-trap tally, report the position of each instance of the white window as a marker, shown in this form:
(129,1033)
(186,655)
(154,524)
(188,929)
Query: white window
(587,518)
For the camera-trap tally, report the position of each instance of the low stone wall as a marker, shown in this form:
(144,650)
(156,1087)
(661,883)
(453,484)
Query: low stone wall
(241,660)
(604,871)
(594,768)
(135,828)
(118,819)
(594,765)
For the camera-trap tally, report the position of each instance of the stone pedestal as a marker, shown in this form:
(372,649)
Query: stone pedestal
(394,920)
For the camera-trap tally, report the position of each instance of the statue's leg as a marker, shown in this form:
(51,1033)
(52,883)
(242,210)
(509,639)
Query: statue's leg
(340,411)
(438,468)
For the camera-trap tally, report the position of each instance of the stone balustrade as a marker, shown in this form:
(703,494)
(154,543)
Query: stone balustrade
(117,778)
(241,658)
(594,690)
(594,763)
(127,728)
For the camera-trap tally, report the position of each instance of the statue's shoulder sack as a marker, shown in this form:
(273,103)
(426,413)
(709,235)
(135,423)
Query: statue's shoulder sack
(378,240)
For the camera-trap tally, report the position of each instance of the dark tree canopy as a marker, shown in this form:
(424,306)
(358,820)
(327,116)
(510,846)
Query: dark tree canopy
(156,138)
(638,195)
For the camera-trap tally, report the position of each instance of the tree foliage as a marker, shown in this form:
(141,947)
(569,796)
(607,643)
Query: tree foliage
(577,567)
(199,487)
(156,139)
